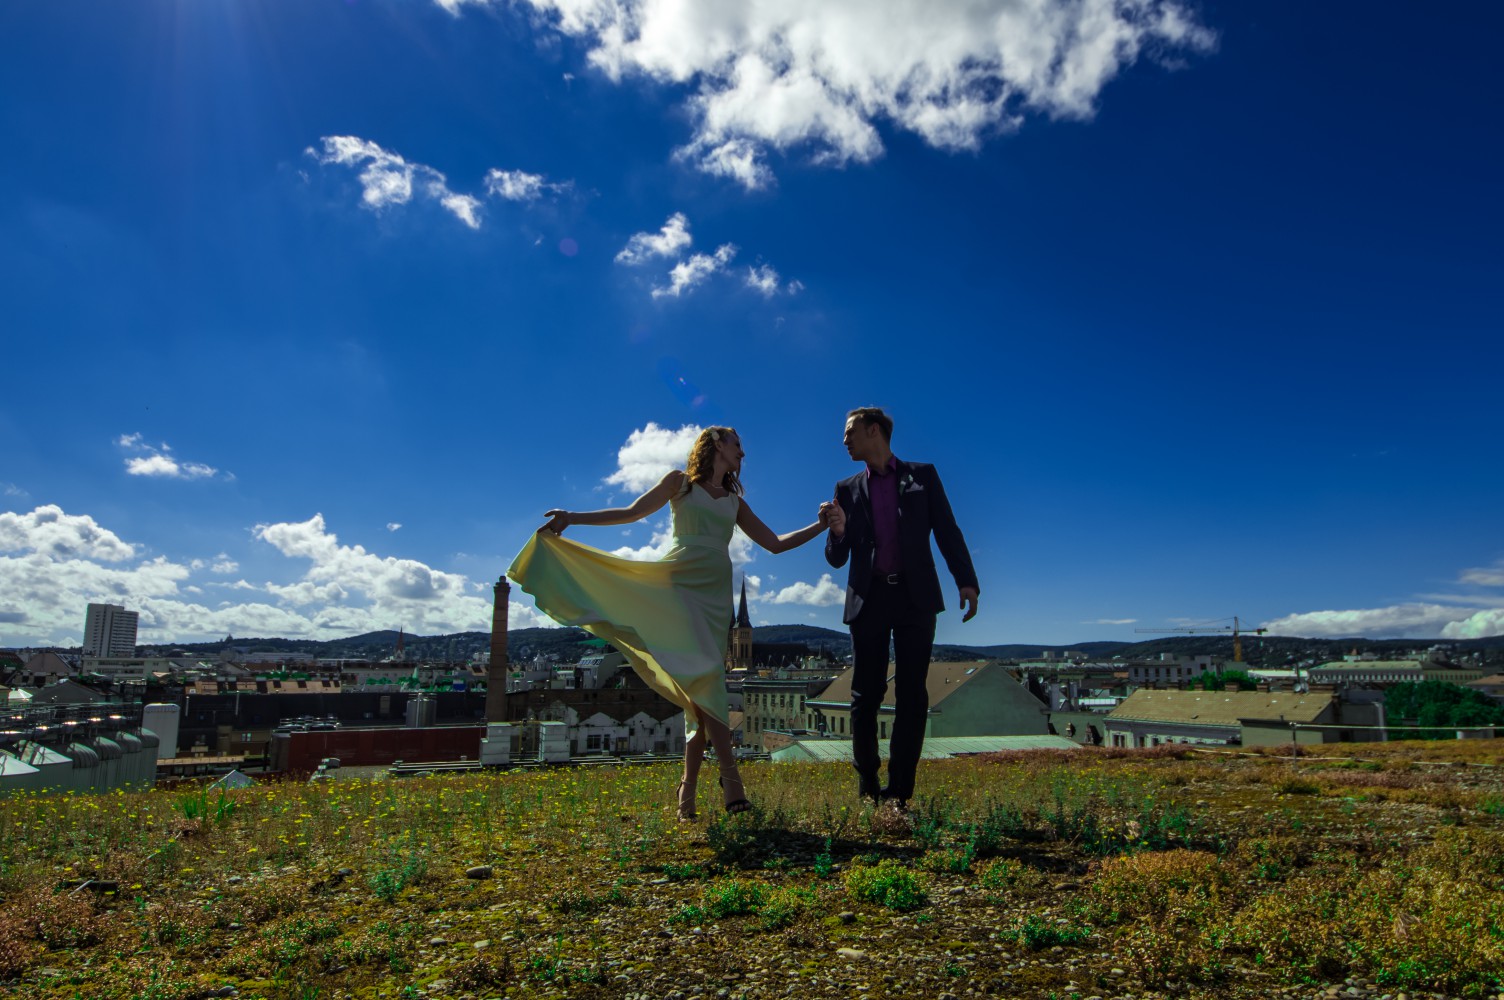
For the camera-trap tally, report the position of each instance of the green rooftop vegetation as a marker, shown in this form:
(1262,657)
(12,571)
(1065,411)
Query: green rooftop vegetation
(1152,873)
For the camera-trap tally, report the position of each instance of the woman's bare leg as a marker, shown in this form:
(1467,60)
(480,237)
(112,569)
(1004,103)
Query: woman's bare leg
(694,756)
(725,755)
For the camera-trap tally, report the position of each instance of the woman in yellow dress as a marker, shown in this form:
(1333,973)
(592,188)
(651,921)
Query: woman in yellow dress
(670,618)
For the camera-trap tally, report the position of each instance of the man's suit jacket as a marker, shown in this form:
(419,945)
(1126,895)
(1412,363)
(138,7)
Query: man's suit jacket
(922,509)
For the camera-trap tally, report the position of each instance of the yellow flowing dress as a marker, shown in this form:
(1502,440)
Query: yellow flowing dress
(670,618)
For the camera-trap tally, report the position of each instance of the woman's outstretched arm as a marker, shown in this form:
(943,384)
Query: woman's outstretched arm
(652,500)
(764,536)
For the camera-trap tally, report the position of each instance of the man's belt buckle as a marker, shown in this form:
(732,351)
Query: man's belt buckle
(892,578)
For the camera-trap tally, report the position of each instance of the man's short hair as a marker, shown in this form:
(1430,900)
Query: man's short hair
(874,415)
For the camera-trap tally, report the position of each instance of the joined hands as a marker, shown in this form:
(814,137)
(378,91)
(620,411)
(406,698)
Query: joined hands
(833,517)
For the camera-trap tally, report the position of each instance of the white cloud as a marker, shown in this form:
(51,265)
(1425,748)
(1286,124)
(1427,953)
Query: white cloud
(522,616)
(657,548)
(386,578)
(464,207)
(788,75)
(12,490)
(741,550)
(1110,621)
(158,462)
(695,271)
(824,594)
(1398,621)
(387,179)
(393,526)
(53,564)
(667,242)
(50,533)
(689,273)
(518,185)
(1476,626)
(763,279)
(1467,600)
(1487,576)
(649,455)
(735,159)
(1463,616)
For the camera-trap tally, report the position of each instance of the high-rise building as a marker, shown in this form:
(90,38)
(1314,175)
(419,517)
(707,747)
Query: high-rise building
(109,630)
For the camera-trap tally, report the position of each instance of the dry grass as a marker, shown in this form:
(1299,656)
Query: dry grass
(1227,875)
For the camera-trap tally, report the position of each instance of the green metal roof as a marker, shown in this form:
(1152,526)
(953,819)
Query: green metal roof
(1380,665)
(935,748)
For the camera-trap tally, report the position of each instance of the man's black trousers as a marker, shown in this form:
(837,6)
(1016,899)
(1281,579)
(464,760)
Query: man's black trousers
(889,614)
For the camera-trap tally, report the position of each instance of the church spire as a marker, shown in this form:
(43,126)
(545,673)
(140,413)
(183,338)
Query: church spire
(739,636)
(741,612)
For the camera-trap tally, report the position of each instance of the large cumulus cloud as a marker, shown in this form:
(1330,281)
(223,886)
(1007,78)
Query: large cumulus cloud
(782,75)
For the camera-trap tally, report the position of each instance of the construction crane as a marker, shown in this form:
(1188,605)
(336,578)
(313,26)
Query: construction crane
(1236,628)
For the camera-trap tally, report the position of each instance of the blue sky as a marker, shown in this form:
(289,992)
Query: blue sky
(311,309)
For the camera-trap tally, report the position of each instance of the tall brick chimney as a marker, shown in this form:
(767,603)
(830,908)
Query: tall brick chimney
(496,676)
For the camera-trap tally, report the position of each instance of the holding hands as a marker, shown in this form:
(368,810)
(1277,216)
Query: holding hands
(832,516)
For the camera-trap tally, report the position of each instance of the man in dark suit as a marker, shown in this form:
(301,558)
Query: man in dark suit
(883,520)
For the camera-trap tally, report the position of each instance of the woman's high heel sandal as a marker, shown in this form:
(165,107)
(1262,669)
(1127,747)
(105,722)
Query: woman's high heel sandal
(736,798)
(686,802)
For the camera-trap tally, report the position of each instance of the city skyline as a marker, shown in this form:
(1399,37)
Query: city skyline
(312,310)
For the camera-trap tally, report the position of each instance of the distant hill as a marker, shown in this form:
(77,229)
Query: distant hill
(566,644)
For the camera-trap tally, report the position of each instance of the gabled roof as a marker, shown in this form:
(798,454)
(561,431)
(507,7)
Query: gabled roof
(1219,708)
(233,779)
(944,680)
(66,692)
(51,664)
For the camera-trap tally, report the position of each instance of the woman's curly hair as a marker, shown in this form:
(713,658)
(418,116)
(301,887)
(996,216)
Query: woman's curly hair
(702,461)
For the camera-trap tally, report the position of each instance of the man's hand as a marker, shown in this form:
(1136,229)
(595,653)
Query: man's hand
(558,520)
(969,602)
(835,519)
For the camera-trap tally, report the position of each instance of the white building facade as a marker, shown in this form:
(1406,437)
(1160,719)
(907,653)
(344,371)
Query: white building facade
(110,630)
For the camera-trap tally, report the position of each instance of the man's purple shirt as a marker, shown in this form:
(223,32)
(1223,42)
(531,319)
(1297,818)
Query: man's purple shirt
(882,489)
